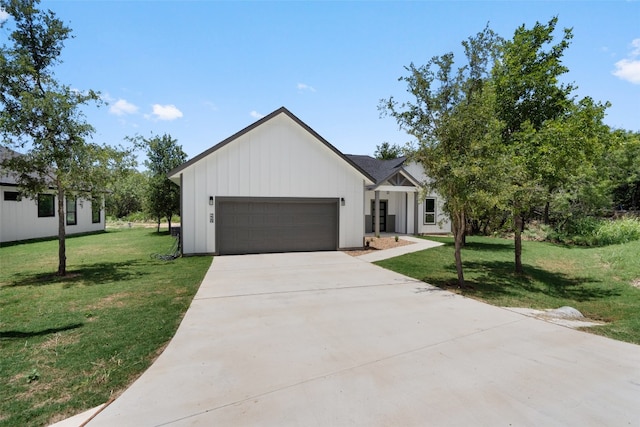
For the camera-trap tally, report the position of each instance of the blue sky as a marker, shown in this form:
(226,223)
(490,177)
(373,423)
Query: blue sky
(203,70)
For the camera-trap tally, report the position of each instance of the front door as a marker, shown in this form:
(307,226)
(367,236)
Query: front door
(383,215)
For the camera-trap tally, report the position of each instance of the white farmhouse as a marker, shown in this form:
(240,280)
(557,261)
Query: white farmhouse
(278,186)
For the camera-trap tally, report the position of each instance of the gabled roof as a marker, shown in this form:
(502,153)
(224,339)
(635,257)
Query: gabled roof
(382,170)
(281,110)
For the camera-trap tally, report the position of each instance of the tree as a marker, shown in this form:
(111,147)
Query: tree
(452,118)
(163,196)
(545,131)
(40,114)
(623,164)
(127,194)
(386,151)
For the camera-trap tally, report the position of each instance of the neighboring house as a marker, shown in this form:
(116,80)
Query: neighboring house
(278,186)
(24,218)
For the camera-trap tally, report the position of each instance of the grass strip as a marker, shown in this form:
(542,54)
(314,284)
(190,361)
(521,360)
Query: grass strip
(69,344)
(601,282)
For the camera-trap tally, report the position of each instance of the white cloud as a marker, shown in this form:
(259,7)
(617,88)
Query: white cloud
(210,105)
(3,15)
(636,47)
(256,115)
(105,97)
(305,87)
(166,112)
(122,107)
(629,68)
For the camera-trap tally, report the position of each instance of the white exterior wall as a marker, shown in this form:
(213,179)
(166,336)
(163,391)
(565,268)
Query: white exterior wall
(276,159)
(19,219)
(443,223)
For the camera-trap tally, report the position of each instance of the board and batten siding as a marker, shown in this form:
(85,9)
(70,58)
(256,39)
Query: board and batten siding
(443,223)
(19,219)
(279,158)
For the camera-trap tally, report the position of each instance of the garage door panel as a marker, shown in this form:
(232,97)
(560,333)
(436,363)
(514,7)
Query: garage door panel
(276,225)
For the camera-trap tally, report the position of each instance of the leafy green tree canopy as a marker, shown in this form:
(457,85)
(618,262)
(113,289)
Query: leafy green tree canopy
(127,193)
(44,117)
(502,132)
(451,114)
(550,136)
(387,151)
(163,154)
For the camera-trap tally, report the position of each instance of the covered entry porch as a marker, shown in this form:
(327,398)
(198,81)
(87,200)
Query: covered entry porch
(391,209)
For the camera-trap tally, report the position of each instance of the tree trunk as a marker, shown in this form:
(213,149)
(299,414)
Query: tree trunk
(517,238)
(169,221)
(62,249)
(158,228)
(458,235)
(545,219)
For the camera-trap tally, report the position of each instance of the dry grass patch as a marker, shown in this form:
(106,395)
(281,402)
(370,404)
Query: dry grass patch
(39,390)
(557,264)
(116,300)
(58,340)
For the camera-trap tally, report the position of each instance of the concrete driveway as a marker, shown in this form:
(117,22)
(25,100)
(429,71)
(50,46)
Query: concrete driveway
(325,339)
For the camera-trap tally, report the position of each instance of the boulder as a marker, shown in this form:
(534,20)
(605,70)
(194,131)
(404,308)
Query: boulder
(565,312)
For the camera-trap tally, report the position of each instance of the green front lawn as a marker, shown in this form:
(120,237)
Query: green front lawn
(597,281)
(69,344)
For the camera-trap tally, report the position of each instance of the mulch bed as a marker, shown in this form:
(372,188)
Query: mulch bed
(377,244)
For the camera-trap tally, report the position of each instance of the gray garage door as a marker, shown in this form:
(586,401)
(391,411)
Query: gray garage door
(262,225)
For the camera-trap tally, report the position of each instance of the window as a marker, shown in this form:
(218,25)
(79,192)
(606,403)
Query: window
(95,211)
(11,196)
(430,210)
(72,217)
(46,205)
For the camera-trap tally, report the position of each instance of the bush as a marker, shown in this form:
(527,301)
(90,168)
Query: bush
(537,231)
(590,231)
(613,232)
(138,217)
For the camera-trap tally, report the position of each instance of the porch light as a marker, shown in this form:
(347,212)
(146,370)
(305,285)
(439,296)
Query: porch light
(342,201)
(210,200)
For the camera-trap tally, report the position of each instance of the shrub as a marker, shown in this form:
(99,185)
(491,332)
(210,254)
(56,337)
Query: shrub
(613,232)
(590,231)
(537,231)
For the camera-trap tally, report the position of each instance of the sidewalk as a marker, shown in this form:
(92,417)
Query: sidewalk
(418,245)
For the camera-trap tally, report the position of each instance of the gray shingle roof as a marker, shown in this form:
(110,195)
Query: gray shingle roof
(7,176)
(379,169)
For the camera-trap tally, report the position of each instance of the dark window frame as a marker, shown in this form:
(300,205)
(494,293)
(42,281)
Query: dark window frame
(71,215)
(11,196)
(96,208)
(46,205)
(430,215)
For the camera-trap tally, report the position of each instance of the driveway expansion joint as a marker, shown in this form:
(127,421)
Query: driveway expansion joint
(291,291)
